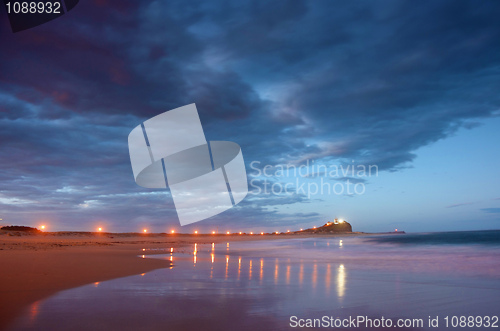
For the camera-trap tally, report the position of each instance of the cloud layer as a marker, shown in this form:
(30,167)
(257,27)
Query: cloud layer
(288,81)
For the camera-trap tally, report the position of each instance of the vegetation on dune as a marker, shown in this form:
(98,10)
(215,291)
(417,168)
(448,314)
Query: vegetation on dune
(20,228)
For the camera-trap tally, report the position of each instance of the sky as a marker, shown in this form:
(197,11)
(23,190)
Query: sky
(410,90)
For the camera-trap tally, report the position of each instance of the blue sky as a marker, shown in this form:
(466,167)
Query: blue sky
(410,89)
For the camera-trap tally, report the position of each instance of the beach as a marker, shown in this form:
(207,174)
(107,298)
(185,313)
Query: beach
(84,281)
(34,267)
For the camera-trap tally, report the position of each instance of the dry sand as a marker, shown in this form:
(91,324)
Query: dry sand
(33,267)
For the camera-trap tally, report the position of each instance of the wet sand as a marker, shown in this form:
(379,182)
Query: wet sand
(34,267)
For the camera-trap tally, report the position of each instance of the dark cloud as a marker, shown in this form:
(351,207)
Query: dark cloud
(491,210)
(460,204)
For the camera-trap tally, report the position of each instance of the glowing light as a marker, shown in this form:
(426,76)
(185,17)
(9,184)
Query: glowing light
(227,245)
(396,230)
(213,232)
(196,232)
(142,274)
(145,230)
(43,227)
(173,231)
(341,221)
(276,232)
(287,230)
(240,232)
(251,232)
(262,233)
(143,249)
(314,227)
(144,256)
(171,249)
(227,232)
(99,229)
(300,229)
(340,243)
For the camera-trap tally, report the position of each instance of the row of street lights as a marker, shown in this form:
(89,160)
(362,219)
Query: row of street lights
(100,229)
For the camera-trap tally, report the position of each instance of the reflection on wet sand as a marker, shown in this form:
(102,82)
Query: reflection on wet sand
(239,267)
(341,281)
(317,271)
(287,274)
(314,277)
(276,266)
(310,279)
(328,278)
(34,310)
(301,273)
(261,270)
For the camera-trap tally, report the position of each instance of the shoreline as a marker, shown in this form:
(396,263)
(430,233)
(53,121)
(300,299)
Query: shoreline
(36,266)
